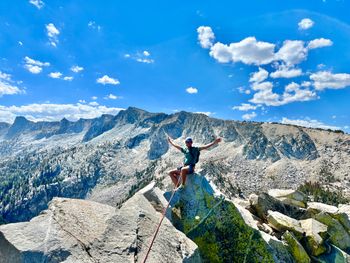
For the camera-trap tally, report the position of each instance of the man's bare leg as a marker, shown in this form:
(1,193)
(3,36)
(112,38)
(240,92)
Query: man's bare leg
(183,174)
(174,175)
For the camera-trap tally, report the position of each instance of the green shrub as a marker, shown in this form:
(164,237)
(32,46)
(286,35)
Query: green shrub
(320,194)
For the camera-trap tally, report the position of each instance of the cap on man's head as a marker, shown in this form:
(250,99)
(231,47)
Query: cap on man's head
(188,139)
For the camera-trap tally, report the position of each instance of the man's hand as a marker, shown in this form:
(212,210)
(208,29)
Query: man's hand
(217,140)
(173,144)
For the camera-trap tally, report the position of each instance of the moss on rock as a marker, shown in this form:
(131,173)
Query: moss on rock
(221,234)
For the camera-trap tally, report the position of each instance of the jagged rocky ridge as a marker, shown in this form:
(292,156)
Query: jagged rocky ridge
(73,230)
(311,231)
(107,158)
(279,226)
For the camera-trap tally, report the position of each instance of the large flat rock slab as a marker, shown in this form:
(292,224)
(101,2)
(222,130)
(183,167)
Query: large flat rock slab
(73,230)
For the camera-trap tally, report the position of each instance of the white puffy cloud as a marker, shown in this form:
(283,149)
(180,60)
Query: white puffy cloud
(286,72)
(245,107)
(192,90)
(142,57)
(52,33)
(145,60)
(305,23)
(94,103)
(33,69)
(107,80)
(327,80)
(54,112)
(70,78)
(252,52)
(205,36)
(292,52)
(248,51)
(249,116)
(319,42)
(208,113)
(243,90)
(34,66)
(309,123)
(111,97)
(306,84)
(291,87)
(292,93)
(262,85)
(5,76)
(38,3)
(267,97)
(6,85)
(55,75)
(259,76)
(76,69)
(94,98)
(59,75)
(31,61)
(221,53)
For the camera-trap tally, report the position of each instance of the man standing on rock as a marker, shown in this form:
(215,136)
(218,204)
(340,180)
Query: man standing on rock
(191,158)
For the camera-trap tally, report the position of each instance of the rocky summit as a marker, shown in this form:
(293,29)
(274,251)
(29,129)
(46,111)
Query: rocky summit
(73,230)
(108,158)
(201,225)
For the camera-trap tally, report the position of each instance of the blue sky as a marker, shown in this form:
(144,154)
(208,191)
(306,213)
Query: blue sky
(285,61)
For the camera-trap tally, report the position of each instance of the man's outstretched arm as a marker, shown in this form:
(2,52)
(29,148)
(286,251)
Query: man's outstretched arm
(173,144)
(216,141)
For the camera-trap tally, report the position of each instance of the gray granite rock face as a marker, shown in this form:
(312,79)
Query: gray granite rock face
(99,126)
(263,202)
(73,230)
(257,146)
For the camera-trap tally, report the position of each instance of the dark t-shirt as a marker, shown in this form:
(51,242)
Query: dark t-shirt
(189,158)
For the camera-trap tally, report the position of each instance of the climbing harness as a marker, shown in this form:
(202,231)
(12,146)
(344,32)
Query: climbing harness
(161,220)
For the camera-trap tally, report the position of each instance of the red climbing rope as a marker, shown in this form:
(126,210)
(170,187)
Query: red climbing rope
(161,220)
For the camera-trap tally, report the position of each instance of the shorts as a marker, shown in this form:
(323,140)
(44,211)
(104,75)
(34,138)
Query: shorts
(190,168)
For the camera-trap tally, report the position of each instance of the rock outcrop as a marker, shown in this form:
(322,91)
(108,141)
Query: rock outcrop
(202,225)
(289,196)
(315,233)
(74,230)
(318,232)
(216,225)
(295,248)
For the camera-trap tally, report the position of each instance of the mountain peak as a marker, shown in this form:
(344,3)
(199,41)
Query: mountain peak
(64,120)
(20,120)
(19,125)
(131,115)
